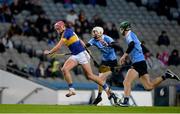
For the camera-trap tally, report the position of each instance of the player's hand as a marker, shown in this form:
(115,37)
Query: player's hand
(123,59)
(47,52)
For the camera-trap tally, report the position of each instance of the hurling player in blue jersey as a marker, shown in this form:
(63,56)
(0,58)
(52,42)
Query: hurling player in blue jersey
(79,56)
(106,46)
(139,67)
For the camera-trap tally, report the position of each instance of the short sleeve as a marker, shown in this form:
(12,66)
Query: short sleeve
(129,38)
(108,39)
(91,41)
(68,33)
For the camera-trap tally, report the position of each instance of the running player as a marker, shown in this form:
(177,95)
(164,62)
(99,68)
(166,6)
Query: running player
(79,56)
(139,67)
(106,46)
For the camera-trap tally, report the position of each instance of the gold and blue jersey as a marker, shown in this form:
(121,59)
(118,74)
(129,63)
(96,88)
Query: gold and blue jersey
(72,41)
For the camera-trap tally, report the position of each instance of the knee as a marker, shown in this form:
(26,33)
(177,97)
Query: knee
(64,70)
(126,83)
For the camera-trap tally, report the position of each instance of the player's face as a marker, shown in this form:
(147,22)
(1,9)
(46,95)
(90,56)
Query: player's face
(60,29)
(96,35)
(122,31)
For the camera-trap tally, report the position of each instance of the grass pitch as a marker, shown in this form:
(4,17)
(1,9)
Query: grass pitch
(83,109)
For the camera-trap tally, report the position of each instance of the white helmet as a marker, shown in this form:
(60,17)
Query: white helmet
(99,31)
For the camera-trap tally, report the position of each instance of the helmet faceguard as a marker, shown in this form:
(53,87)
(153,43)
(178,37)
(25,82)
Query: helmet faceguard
(97,32)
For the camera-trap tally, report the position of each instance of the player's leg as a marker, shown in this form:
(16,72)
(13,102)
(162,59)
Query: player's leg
(141,68)
(148,84)
(68,65)
(98,98)
(103,76)
(131,75)
(88,71)
(105,71)
(84,59)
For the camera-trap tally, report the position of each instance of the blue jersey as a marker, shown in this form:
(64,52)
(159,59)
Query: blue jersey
(72,41)
(136,55)
(108,53)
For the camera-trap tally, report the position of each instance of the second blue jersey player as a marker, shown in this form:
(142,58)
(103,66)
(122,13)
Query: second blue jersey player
(139,67)
(107,46)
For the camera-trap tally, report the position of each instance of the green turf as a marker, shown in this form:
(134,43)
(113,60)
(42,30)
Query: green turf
(83,109)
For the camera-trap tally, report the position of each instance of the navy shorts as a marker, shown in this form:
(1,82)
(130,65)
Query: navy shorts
(112,63)
(140,67)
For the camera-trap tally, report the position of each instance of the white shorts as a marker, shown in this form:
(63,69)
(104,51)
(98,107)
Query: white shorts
(81,58)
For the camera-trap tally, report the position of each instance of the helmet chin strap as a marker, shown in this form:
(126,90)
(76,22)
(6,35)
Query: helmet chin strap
(123,33)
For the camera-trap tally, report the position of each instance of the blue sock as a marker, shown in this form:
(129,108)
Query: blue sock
(70,85)
(105,86)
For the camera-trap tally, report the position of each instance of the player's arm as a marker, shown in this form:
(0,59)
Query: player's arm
(56,48)
(113,44)
(82,42)
(89,43)
(116,46)
(129,49)
(85,46)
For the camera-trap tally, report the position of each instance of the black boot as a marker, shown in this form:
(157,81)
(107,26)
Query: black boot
(171,75)
(125,102)
(97,100)
(114,98)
